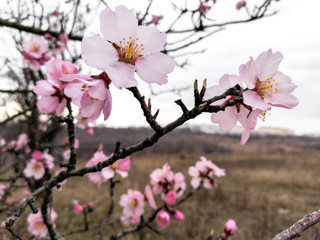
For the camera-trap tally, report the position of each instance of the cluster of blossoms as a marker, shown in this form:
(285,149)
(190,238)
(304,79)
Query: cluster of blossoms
(121,167)
(35,52)
(36,166)
(169,186)
(80,208)
(36,225)
(90,93)
(265,87)
(21,144)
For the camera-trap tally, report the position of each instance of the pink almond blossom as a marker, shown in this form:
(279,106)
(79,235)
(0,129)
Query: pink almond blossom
(77,208)
(163,218)
(96,177)
(148,196)
(36,225)
(203,171)
(127,49)
(57,68)
(230,227)
(132,203)
(241,4)
(122,166)
(170,198)
(36,47)
(34,169)
(267,87)
(52,98)
(90,93)
(228,118)
(177,215)
(37,155)
(156,18)
(204,8)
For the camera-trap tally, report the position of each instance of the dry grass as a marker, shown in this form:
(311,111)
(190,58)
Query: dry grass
(264,193)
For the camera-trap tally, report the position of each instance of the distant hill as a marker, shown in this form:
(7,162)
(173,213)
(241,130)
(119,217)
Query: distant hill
(185,141)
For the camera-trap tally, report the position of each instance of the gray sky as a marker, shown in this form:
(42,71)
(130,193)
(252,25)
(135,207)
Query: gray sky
(292,32)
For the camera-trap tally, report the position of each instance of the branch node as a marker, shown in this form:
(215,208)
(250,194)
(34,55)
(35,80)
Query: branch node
(182,106)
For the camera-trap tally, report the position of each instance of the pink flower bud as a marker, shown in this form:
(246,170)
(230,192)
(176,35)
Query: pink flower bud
(37,155)
(89,131)
(241,4)
(90,205)
(230,227)
(163,218)
(170,198)
(48,36)
(77,208)
(178,215)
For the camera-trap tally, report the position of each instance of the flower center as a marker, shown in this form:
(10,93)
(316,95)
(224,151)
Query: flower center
(36,168)
(39,225)
(129,50)
(114,166)
(35,48)
(133,203)
(267,87)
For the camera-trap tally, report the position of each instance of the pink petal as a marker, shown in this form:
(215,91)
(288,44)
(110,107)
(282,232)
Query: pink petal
(44,88)
(99,90)
(123,174)
(73,91)
(48,104)
(151,38)
(107,173)
(226,119)
(61,107)
(252,99)
(154,68)
(283,100)
(122,74)
(107,106)
(117,25)
(267,63)
(97,52)
(91,108)
(248,73)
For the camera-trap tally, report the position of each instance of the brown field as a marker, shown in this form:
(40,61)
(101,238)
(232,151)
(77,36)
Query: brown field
(271,183)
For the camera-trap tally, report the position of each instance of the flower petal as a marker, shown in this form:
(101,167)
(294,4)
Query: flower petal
(151,38)
(154,68)
(118,24)
(252,99)
(97,52)
(48,104)
(107,106)
(43,88)
(267,63)
(122,74)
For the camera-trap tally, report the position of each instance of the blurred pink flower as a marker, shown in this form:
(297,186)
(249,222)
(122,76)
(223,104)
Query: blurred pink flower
(85,124)
(230,227)
(204,8)
(156,18)
(177,215)
(204,170)
(78,208)
(60,44)
(90,206)
(37,155)
(36,47)
(90,93)
(132,203)
(96,177)
(170,198)
(267,87)
(122,166)
(2,189)
(163,218)
(35,223)
(34,169)
(241,4)
(148,196)
(127,219)
(129,48)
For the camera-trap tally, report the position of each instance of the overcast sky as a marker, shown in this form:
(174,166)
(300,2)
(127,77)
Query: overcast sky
(293,31)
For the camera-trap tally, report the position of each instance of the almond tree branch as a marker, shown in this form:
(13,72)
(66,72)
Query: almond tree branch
(299,227)
(124,152)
